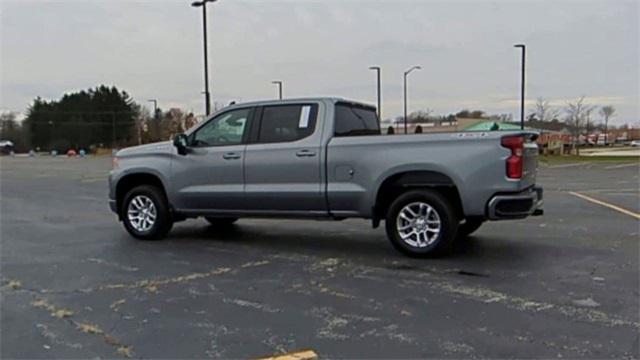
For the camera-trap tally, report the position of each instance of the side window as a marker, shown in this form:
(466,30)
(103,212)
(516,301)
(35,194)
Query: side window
(285,123)
(353,120)
(224,129)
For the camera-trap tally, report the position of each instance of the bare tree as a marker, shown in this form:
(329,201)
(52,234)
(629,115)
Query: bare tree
(607,112)
(8,124)
(578,113)
(420,116)
(544,111)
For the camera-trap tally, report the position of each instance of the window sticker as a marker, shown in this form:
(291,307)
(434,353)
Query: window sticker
(303,123)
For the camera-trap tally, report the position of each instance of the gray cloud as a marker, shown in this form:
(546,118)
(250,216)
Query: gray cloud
(152,49)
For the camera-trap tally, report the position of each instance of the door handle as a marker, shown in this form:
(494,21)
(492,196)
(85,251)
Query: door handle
(230,156)
(305,153)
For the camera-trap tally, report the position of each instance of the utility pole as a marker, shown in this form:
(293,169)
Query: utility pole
(279,84)
(405,95)
(377,69)
(50,135)
(207,95)
(522,83)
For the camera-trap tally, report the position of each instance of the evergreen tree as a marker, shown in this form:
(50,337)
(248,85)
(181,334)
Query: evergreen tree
(102,116)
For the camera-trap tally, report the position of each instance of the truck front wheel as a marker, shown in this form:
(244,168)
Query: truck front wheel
(145,213)
(421,223)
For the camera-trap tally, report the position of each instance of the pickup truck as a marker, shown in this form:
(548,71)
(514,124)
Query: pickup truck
(325,158)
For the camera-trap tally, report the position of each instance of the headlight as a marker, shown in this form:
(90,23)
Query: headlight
(114,163)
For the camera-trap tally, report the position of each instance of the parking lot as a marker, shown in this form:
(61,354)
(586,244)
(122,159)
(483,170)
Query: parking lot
(75,284)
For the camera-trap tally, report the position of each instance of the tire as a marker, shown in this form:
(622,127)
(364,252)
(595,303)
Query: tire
(427,241)
(469,227)
(221,221)
(137,200)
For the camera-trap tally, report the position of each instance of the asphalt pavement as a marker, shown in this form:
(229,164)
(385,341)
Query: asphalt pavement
(74,284)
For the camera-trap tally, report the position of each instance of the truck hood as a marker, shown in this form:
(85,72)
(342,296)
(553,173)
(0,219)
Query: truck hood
(163,147)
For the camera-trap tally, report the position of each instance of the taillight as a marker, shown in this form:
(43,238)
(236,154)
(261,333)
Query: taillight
(514,161)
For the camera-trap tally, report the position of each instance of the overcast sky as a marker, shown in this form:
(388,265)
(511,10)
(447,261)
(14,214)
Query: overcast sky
(153,49)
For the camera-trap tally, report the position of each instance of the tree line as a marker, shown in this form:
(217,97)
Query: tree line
(106,117)
(102,117)
(578,117)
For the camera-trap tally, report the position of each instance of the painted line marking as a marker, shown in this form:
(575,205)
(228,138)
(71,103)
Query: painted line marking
(630,190)
(569,165)
(296,355)
(605,204)
(620,166)
(96,179)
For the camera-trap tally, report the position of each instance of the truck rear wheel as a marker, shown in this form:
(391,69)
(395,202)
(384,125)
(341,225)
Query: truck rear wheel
(145,213)
(421,223)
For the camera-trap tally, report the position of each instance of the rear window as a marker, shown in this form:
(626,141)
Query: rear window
(355,120)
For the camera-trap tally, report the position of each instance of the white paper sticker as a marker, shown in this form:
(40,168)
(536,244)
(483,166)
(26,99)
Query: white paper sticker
(304,117)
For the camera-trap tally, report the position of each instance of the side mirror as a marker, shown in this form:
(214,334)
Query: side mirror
(181,143)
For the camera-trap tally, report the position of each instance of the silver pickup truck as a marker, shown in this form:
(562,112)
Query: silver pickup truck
(325,158)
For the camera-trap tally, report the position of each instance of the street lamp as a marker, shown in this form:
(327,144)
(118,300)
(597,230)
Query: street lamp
(405,95)
(522,84)
(377,69)
(279,83)
(203,4)
(155,106)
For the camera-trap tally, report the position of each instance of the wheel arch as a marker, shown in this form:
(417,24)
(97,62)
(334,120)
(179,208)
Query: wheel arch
(129,181)
(399,182)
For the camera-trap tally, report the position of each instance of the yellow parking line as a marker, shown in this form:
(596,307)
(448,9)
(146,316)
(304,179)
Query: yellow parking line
(605,204)
(297,355)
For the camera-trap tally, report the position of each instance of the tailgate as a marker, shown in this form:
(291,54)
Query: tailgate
(530,160)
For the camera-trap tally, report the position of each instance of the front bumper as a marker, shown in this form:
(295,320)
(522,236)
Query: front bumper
(516,205)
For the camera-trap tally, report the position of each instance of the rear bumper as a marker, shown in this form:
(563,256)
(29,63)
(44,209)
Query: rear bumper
(516,205)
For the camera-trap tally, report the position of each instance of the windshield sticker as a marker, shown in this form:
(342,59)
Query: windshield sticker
(304,117)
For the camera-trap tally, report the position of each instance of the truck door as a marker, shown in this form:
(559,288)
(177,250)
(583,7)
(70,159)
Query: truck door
(283,160)
(211,176)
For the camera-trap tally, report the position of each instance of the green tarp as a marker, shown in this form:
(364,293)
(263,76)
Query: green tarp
(491,126)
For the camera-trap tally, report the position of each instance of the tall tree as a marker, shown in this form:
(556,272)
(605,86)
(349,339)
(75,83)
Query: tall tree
(102,116)
(8,125)
(607,112)
(420,116)
(475,114)
(577,114)
(544,111)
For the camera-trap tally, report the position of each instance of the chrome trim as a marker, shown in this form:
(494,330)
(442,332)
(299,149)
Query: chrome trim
(534,194)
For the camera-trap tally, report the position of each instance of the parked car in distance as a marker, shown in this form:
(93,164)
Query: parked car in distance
(635,143)
(6,147)
(325,158)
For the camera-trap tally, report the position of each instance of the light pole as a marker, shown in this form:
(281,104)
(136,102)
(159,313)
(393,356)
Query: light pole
(405,95)
(155,107)
(279,83)
(50,122)
(377,69)
(522,84)
(203,4)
